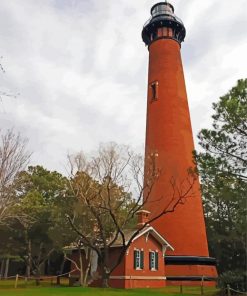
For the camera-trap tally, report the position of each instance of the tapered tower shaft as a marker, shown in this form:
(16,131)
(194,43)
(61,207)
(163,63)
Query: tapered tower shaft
(169,138)
(169,145)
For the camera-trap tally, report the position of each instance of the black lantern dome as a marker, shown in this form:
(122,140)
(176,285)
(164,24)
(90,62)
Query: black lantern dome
(163,24)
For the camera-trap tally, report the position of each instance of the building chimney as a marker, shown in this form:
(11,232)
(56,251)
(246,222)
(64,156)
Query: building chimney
(142,217)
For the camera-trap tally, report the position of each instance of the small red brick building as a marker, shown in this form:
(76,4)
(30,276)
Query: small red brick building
(143,264)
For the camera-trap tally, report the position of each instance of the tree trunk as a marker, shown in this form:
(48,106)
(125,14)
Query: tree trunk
(38,275)
(105,278)
(29,258)
(86,276)
(39,264)
(6,268)
(2,268)
(62,266)
(88,258)
(81,267)
(106,273)
(105,282)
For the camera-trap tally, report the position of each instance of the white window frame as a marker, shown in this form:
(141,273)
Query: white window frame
(153,263)
(138,259)
(152,259)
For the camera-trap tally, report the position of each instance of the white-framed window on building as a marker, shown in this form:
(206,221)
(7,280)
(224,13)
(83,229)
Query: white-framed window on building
(153,260)
(138,259)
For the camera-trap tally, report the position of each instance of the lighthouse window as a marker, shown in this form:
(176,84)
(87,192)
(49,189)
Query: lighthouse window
(154,90)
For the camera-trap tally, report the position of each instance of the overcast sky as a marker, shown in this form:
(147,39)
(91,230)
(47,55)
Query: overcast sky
(80,68)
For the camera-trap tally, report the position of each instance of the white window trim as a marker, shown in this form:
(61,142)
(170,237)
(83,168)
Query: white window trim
(138,259)
(152,263)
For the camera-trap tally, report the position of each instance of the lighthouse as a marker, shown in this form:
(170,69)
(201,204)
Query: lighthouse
(169,143)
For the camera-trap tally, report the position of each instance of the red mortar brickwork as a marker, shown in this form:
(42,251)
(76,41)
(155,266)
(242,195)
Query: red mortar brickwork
(169,139)
(169,135)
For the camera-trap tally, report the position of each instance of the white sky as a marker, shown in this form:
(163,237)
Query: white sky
(80,68)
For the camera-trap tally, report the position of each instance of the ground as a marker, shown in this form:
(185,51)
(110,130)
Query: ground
(49,289)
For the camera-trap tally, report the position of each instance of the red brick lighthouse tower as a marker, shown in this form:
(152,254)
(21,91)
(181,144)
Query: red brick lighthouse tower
(169,143)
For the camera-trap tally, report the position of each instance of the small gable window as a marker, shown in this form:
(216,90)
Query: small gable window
(153,260)
(154,90)
(138,259)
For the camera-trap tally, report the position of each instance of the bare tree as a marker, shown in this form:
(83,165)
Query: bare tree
(13,158)
(84,263)
(110,187)
(1,66)
(5,93)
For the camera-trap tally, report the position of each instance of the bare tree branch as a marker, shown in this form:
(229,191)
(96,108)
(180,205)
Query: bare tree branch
(104,186)
(13,159)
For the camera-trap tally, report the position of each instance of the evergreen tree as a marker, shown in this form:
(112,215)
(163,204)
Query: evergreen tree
(39,226)
(223,169)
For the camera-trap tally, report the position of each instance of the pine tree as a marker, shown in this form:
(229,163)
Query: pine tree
(222,165)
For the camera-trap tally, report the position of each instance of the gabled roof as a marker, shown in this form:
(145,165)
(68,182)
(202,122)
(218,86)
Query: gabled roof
(156,235)
(149,229)
(128,234)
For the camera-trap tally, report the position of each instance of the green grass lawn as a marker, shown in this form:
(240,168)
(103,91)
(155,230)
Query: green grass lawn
(7,289)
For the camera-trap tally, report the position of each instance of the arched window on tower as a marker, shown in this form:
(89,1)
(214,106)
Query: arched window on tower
(154,90)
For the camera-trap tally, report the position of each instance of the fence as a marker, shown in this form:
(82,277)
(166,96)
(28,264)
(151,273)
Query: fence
(38,278)
(229,291)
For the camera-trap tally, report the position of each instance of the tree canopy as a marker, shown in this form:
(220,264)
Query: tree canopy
(38,216)
(222,164)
